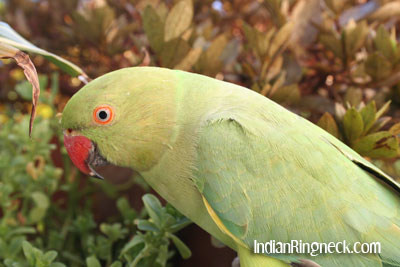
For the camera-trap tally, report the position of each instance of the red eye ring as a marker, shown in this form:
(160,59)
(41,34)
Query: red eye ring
(103,114)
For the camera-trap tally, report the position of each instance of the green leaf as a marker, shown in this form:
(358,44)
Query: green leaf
(274,9)
(41,200)
(182,248)
(287,94)
(368,114)
(250,34)
(210,62)
(125,209)
(36,214)
(21,231)
(179,225)
(333,44)
(11,37)
(328,123)
(41,205)
(14,246)
(154,28)
(116,264)
(29,252)
(280,40)
(377,66)
(83,223)
(153,207)
(136,240)
(163,255)
(54,88)
(113,231)
(103,247)
(178,19)
(378,145)
(355,35)
(24,88)
(92,261)
(93,23)
(258,41)
(353,124)
(216,48)
(383,109)
(353,96)
(174,52)
(50,256)
(383,43)
(395,129)
(147,226)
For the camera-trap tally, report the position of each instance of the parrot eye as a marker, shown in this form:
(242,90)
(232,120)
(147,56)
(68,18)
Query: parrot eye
(103,114)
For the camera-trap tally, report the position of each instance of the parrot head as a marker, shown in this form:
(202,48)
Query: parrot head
(125,117)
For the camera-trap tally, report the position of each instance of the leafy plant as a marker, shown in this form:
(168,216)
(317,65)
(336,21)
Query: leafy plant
(362,129)
(36,226)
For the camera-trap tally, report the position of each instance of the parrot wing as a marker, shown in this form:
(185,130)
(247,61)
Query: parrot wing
(261,180)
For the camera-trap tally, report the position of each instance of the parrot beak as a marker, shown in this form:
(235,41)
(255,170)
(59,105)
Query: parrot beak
(83,153)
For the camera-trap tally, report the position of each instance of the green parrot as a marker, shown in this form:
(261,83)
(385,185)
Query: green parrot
(237,164)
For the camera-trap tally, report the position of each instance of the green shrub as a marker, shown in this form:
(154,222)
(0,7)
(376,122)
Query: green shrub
(43,220)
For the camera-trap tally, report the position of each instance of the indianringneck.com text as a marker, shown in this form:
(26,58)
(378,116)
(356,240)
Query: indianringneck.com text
(315,248)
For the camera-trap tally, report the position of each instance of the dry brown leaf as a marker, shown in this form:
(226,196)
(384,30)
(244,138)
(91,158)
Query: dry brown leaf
(23,60)
(387,11)
(146,57)
(306,14)
(178,20)
(189,60)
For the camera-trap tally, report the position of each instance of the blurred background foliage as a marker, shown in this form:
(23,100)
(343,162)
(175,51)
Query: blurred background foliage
(334,62)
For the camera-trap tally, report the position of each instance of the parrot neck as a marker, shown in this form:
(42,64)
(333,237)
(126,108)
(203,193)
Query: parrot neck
(172,176)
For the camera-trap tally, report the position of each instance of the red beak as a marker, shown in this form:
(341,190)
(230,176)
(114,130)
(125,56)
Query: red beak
(83,153)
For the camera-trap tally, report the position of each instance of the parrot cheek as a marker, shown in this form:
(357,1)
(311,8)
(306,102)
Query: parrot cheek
(78,148)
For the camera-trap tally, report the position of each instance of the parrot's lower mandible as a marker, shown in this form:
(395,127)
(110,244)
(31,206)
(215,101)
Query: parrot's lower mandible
(240,166)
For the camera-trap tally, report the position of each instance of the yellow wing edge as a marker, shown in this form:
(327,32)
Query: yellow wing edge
(220,224)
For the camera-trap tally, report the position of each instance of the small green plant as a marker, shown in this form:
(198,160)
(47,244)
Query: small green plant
(47,217)
(361,128)
(151,245)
